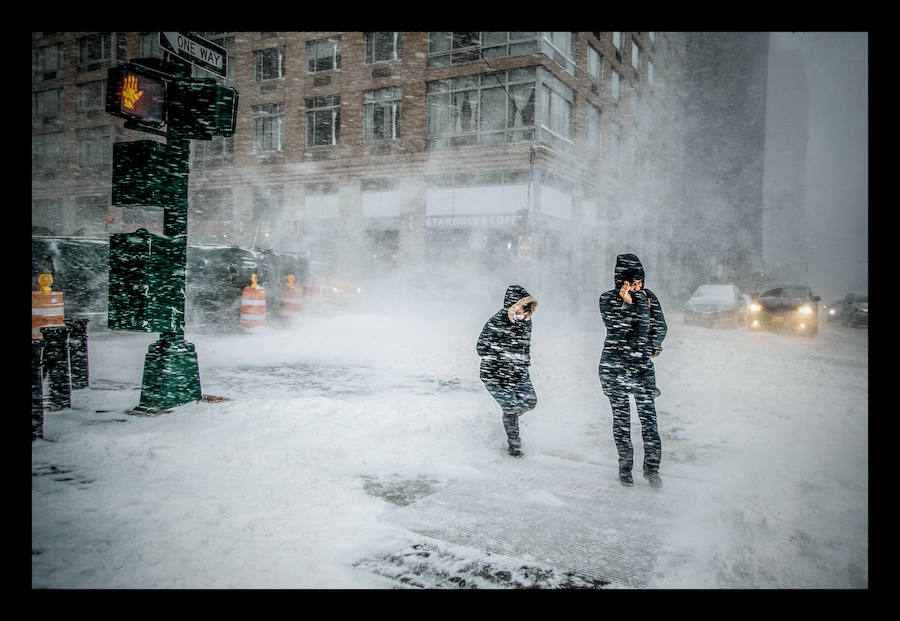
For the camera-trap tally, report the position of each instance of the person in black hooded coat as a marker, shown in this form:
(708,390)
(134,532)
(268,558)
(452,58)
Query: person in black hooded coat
(635,329)
(505,349)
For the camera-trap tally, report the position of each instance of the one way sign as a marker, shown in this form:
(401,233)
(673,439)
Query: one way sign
(196,50)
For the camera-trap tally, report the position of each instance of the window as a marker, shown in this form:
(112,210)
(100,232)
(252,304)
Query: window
(635,56)
(321,200)
(652,36)
(615,86)
(560,46)
(216,152)
(213,205)
(45,155)
(450,48)
(323,55)
(595,65)
(382,47)
(489,108)
(323,121)
(617,40)
(46,63)
(381,114)
(267,204)
(91,99)
(90,212)
(268,125)
(593,133)
(268,64)
(149,45)
(96,51)
(649,72)
(46,106)
(94,151)
(557,101)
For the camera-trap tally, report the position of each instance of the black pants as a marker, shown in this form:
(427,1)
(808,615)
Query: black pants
(515,399)
(621,415)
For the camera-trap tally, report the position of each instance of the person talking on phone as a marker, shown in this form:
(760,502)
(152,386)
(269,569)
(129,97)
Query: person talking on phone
(635,329)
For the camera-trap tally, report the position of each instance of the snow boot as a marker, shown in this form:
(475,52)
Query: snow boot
(515,451)
(653,478)
(625,478)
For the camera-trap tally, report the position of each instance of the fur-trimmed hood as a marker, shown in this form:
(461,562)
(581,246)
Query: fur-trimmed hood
(517,297)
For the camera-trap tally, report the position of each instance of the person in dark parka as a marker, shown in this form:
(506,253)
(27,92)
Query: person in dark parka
(635,329)
(505,349)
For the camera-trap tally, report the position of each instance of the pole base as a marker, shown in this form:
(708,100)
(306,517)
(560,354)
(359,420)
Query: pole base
(171,374)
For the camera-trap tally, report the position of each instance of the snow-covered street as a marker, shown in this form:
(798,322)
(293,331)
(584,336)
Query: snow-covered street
(361,451)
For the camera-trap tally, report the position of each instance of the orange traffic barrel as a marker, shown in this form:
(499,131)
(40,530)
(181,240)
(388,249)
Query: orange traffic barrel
(253,305)
(46,307)
(291,302)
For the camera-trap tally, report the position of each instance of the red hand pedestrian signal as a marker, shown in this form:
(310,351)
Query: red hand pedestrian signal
(130,92)
(136,95)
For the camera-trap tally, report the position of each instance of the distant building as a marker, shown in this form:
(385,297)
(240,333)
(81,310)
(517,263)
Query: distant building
(544,153)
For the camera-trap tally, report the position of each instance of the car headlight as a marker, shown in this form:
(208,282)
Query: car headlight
(805,310)
(831,311)
(755,307)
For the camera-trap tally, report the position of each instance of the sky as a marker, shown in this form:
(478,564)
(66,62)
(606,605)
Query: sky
(836,191)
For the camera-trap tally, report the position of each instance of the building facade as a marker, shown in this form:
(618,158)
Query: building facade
(539,152)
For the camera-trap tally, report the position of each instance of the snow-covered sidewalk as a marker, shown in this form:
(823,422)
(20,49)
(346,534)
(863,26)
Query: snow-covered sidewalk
(361,451)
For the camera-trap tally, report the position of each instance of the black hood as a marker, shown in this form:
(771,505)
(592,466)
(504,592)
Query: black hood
(628,267)
(514,293)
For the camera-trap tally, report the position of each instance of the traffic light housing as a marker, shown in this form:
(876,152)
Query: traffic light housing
(201,108)
(136,94)
(146,173)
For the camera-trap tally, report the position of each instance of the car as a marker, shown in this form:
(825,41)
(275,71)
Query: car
(785,308)
(717,304)
(855,310)
(832,311)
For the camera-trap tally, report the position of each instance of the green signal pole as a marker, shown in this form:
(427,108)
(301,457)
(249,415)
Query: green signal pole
(171,369)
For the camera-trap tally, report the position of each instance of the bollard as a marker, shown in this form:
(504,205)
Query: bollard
(78,353)
(56,367)
(37,390)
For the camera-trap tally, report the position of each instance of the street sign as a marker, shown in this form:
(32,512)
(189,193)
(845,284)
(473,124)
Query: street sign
(196,50)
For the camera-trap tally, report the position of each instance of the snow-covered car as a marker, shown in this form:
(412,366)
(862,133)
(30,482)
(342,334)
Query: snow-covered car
(717,304)
(855,310)
(832,311)
(789,308)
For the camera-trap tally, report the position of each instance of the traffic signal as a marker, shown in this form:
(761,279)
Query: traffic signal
(136,94)
(201,109)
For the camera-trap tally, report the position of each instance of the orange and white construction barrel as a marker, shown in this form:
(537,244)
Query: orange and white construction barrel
(253,305)
(47,307)
(291,302)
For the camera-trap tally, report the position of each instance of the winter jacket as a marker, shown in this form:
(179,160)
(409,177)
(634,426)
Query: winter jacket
(634,332)
(505,343)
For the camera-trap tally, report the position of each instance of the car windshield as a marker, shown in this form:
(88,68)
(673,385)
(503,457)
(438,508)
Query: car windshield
(786,292)
(719,292)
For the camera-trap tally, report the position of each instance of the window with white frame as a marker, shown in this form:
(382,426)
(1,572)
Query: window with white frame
(617,40)
(382,47)
(45,155)
(46,106)
(635,56)
(381,114)
(94,148)
(556,112)
(268,64)
(490,108)
(323,121)
(595,65)
(615,86)
(46,63)
(91,99)
(450,48)
(268,127)
(560,46)
(323,55)
(219,151)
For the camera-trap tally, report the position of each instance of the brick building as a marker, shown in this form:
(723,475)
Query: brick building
(547,151)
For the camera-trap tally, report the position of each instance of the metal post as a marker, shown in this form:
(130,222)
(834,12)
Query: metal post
(37,389)
(56,366)
(78,353)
